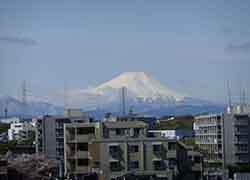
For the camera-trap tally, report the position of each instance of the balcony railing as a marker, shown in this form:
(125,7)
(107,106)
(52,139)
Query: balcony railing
(241,123)
(238,141)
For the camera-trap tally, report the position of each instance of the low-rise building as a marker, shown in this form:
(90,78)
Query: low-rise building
(20,131)
(174,134)
(11,120)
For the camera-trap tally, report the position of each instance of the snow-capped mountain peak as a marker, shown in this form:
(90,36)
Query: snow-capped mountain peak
(140,85)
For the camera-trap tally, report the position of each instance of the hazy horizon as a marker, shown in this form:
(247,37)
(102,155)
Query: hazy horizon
(191,47)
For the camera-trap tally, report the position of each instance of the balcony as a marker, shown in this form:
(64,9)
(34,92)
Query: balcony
(241,123)
(82,154)
(241,151)
(84,138)
(82,169)
(159,165)
(115,152)
(172,154)
(158,149)
(241,133)
(115,166)
(239,160)
(70,154)
(240,141)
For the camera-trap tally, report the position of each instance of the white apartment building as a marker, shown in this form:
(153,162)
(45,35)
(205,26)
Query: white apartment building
(20,130)
(174,133)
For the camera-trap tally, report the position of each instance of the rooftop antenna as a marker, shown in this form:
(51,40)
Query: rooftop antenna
(123,101)
(229,94)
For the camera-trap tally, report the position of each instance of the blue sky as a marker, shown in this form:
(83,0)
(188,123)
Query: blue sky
(193,47)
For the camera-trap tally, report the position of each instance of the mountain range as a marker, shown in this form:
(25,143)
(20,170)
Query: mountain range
(142,93)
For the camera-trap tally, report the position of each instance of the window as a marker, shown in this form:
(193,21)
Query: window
(133,148)
(197,159)
(86,130)
(172,145)
(114,151)
(159,165)
(157,148)
(59,142)
(136,132)
(115,166)
(82,146)
(120,132)
(134,165)
(83,162)
(96,164)
(172,163)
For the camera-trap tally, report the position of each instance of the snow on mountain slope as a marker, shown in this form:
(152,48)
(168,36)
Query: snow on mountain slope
(140,89)
(140,85)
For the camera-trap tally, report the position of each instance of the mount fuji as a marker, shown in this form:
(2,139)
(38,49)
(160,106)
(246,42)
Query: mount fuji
(143,94)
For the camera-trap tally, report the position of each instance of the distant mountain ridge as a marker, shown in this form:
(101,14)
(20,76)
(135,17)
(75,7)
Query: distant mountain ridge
(16,108)
(143,94)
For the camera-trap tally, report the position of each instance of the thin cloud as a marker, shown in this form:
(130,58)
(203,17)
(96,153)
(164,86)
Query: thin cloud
(24,40)
(244,47)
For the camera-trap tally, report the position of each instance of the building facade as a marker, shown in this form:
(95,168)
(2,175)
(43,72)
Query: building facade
(20,131)
(208,136)
(209,139)
(50,136)
(237,135)
(116,149)
(174,134)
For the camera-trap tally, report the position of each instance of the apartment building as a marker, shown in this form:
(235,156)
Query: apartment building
(20,130)
(174,133)
(49,136)
(82,152)
(115,149)
(237,135)
(50,132)
(208,136)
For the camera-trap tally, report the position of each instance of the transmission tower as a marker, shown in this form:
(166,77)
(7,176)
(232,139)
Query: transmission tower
(243,97)
(123,101)
(5,113)
(229,94)
(24,92)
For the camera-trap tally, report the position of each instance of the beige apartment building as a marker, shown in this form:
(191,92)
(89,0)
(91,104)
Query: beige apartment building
(115,149)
